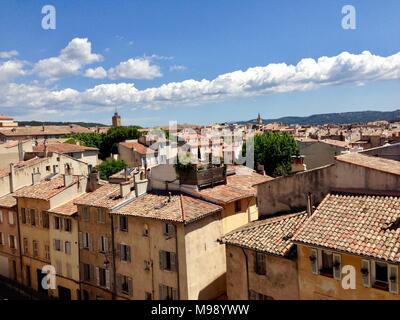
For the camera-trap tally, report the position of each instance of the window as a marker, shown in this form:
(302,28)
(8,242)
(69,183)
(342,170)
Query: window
(2,239)
(124,284)
(147,296)
(87,271)
(168,230)
(57,223)
(67,246)
(85,295)
(24,216)
(86,241)
(35,248)
(380,276)
(85,214)
(26,248)
(45,220)
(147,265)
(103,244)
(11,218)
(123,223)
(33,217)
(12,242)
(145,230)
(168,293)
(101,215)
(68,225)
(47,252)
(58,267)
(167,260)
(238,206)
(259,263)
(125,252)
(253,295)
(57,244)
(48,168)
(1,216)
(103,277)
(326,263)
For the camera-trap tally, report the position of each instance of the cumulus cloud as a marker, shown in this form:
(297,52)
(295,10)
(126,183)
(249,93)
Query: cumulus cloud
(96,73)
(8,54)
(273,78)
(11,69)
(135,69)
(71,59)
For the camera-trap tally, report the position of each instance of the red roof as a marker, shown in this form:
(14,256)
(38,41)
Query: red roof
(6,118)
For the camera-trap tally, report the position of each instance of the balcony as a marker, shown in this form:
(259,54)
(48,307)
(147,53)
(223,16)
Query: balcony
(201,176)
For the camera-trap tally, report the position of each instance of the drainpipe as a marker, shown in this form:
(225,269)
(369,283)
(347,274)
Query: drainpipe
(247,272)
(20,247)
(114,275)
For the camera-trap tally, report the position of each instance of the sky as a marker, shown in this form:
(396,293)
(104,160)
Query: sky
(197,62)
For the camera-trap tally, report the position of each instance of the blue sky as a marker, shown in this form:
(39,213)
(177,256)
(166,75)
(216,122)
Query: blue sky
(136,49)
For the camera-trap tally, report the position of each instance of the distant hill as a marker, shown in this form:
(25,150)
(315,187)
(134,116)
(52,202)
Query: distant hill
(336,118)
(50,123)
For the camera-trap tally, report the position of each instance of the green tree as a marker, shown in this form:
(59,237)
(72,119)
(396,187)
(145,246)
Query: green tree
(274,151)
(109,167)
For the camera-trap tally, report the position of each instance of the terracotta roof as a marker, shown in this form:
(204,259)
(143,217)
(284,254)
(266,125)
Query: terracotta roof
(380,164)
(38,130)
(4,172)
(21,164)
(157,206)
(62,148)
(272,235)
(66,209)
(6,118)
(44,190)
(8,201)
(338,143)
(106,196)
(138,147)
(237,187)
(357,224)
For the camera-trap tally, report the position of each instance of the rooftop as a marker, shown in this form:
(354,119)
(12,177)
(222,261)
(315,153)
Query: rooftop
(271,236)
(356,224)
(62,148)
(106,196)
(138,147)
(180,208)
(8,201)
(66,209)
(44,190)
(42,131)
(376,163)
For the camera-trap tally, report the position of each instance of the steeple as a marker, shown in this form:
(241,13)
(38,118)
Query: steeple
(259,119)
(116,119)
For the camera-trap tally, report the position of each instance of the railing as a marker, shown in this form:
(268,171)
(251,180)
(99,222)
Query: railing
(205,177)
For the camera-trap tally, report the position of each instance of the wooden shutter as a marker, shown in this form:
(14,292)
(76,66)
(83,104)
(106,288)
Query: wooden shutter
(1,216)
(366,276)
(130,286)
(162,258)
(393,278)
(15,242)
(173,261)
(118,251)
(97,276)
(128,253)
(90,243)
(314,261)
(337,272)
(91,275)
(174,294)
(119,283)
(105,244)
(80,240)
(99,243)
(108,279)
(372,266)
(2,238)
(162,296)
(81,272)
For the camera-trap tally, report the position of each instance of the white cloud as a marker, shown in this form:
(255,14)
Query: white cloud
(11,69)
(177,68)
(135,69)
(96,73)
(72,58)
(8,54)
(272,78)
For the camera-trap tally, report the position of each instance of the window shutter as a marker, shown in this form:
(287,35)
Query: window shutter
(97,276)
(119,283)
(128,253)
(9,241)
(130,286)
(81,272)
(99,243)
(105,244)
(108,279)
(252,295)
(372,266)
(161,297)
(2,238)
(15,243)
(37,218)
(90,242)
(118,251)
(161,258)
(393,279)
(314,257)
(1,216)
(80,236)
(171,230)
(173,261)
(174,294)
(337,272)
(11,217)
(366,277)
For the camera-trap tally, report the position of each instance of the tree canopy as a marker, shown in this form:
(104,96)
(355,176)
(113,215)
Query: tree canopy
(274,151)
(109,167)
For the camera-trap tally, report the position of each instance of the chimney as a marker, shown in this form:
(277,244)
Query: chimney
(20,151)
(125,189)
(309,204)
(93,182)
(126,173)
(35,177)
(12,178)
